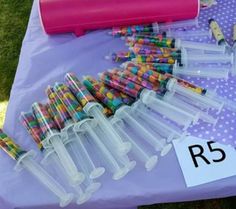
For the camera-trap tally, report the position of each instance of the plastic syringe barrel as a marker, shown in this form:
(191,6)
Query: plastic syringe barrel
(176,114)
(111,162)
(207,58)
(137,149)
(155,141)
(208,102)
(170,97)
(54,139)
(52,163)
(83,158)
(189,34)
(166,130)
(200,46)
(95,111)
(204,72)
(178,24)
(47,180)
(121,159)
(66,160)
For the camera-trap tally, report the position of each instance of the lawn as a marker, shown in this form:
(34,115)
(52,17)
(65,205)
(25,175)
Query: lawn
(14,16)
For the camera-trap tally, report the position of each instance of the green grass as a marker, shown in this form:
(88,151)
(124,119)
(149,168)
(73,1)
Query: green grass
(14,16)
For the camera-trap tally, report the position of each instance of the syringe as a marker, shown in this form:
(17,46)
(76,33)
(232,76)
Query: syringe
(138,73)
(94,109)
(161,41)
(71,140)
(122,112)
(83,123)
(25,160)
(148,97)
(54,140)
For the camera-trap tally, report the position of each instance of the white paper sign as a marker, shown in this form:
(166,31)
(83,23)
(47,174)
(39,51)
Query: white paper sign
(204,161)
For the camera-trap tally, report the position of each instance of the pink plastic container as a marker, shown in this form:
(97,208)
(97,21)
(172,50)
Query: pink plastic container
(78,16)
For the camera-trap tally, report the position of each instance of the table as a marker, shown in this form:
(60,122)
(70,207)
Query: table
(46,59)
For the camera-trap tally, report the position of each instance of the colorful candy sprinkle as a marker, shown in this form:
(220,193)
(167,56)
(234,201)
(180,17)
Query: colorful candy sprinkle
(103,94)
(78,89)
(10,147)
(164,52)
(55,115)
(162,79)
(70,102)
(31,124)
(122,56)
(158,40)
(60,107)
(155,58)
(124,85)
(130,30)
(45,121)
(160,68)
(135,79)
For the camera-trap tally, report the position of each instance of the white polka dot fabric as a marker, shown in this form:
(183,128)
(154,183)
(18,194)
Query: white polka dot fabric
(225,130)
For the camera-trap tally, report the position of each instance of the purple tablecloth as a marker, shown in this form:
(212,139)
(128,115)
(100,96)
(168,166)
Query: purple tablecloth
(45,60)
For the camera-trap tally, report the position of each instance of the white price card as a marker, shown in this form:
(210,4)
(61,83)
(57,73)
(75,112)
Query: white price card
(204,161)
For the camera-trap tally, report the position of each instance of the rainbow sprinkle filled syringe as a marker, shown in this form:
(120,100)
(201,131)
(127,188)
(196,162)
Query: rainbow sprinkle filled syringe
(54,140)
(122,112)
(168,131)
(152,28)
(154,54)
(195,94)
(84,123)
(31,124)
(140,73)
(74,142)
(174,84)
(148,97)
(161,40)
(94,109)
(101,92)
(194,71)
(25,160)
(182,60)
(130,30)
(121,56)
(50,159)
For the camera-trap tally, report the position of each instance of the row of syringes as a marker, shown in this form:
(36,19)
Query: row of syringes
(188,58)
